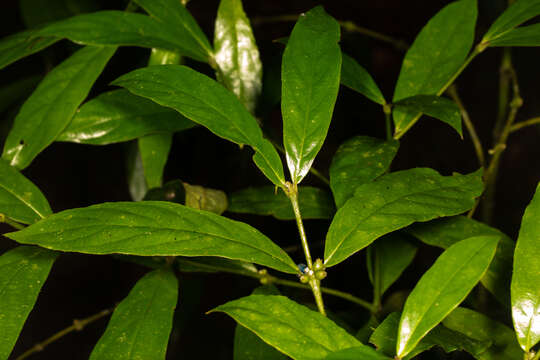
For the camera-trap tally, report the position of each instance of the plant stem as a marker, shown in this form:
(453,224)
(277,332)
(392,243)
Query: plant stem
(537,356)
(377,285)
(77,325)
(13,224)
(504,92)
(387,109)
(520,125)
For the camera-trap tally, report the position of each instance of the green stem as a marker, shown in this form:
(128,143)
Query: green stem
(504,93)
(377,284)
(387,109)
(537,356)
(520,125)
(13,224)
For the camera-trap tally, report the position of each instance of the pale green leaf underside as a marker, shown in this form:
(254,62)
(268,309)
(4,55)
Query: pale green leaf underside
(516,14)
(522,36)
(355,77)
(154,151)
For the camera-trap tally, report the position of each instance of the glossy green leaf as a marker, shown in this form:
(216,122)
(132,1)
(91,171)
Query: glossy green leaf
(118,116)
(293,329)
(391,254)
(23,272)
(236,53)
(525,289)
(141,324)
(445,232)
(522,36)
(154,153)
(52,105)
(359,160)
(437,53)
(355,353)
(479,327)
(314,203)
(394,201)
(204,101)
(20,199)
(310,81)
(153,228)
(18,46)
(442,288)
(438,107)
(355,77)
(516,14)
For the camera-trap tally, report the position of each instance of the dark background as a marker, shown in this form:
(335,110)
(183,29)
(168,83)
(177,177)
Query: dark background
(72,175)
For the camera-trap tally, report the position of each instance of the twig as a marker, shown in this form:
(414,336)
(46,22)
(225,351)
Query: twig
(4,219)
(520,125)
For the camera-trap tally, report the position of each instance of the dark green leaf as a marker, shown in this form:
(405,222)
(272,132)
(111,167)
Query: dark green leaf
(315,203)
(442,288)
(154,228)
(20,199)
(172,191)
(154,151)
(38,12)
(436,54)
(18,46)
(141,324)
(438,107)
(356,353)
(23,271)
(525,287)
(394,201)
(204,101)
(52,105)
(516,14)
(135,173)
(215,264)
(22,87)
(310,81)
(236,53)
(293,329)
(359,160)
(522,36)
(446,232)
(354,76)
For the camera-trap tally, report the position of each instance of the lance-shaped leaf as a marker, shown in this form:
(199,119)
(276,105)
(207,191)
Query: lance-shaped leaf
(442,288)
(359,160)
(38,12)
(23,272)
(18,46)
(118,116)
(522,36)
(394,201)
(525,289)
(445,232)
(516,14)
(20,199)
(310,81)
(141,324)
(293,329)
(154,153)
(355,77)
(206,102)
(315,203)
(437,53)
(52,105)
(438,107)
(360,352)
(236,53)
(153,228)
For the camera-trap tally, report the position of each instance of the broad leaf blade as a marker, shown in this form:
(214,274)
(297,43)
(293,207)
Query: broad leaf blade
(205,102)
(394,201)
(438,107)
(293,329)
(154,228)
(140,325)
(436,54)
(355,77)
(23,272)
(52,105)
(154,151)
(522,36)
(525,288)
(516,14)
(314,203)
(359,160)
(236,53)
(442,288)
(360,352)
(18,46)
(20,199)
(310,78)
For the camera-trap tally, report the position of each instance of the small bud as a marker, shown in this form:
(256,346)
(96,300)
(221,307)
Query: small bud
(318,265)
(263,272)
(265,281)
(304,279)
(319,275)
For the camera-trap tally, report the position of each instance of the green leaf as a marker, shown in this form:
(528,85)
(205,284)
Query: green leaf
(293,329)
(437,53)
(141,324)
(355,77)
(20,199)
(198,197)
(153,228)
(18,89)
(52,105)
(135,173)
(18,46)
(38,12)
(522,36)
(215,264)
(173,191)
(204,101)
(315,203)
(359,160)
(392,255)
(23,271)
(154,151)
(516,14)
(479,327)
(445,232)
(442,288)
(360,352)
(394,201)
(310,81)
(526,277)
(118,116)
(385,336)
(438,107)
(236,53)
